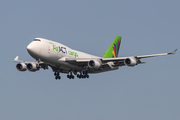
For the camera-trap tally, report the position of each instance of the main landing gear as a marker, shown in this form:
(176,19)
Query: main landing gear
(57,76)
(82,75)
(71,76)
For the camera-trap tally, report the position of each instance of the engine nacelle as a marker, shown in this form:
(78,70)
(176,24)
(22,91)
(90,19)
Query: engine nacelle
(32,67)
(132,61)
(21,67)
(94,64)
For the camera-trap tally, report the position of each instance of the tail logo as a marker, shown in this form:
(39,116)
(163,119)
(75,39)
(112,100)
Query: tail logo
(116,48)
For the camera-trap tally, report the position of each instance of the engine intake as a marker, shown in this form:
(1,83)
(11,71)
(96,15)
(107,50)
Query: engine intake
(94,64)
(21,67)
(32,67)
(132,61)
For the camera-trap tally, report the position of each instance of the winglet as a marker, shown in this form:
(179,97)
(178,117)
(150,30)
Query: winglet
(16,59)
(173,52)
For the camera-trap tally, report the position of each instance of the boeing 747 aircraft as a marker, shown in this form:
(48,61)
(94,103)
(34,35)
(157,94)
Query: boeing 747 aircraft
(63,59)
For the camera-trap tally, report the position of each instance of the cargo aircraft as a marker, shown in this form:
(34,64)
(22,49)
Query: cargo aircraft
(63,59)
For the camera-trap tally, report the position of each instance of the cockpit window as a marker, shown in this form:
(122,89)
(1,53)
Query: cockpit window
(36,40)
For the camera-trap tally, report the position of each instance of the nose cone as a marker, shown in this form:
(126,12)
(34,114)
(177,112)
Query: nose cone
(29,48)
(33,49)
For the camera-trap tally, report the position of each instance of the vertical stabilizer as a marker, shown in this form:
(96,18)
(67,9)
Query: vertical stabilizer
(113,50)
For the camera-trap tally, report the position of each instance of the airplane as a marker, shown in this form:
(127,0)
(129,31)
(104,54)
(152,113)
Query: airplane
(63,59)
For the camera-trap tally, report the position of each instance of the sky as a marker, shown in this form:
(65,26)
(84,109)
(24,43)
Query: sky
(148,91)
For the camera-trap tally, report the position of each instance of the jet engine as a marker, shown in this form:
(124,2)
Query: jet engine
(32,67)
(21,67)
(94,64)
(132,61)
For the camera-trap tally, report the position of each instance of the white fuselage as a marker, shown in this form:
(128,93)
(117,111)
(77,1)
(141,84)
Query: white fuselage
(54,53)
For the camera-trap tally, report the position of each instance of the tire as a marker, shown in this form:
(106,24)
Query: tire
(55,74)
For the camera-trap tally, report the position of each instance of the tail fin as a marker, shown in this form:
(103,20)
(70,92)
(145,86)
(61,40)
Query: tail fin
(113,50)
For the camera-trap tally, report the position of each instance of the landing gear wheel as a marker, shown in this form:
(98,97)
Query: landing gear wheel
(78,75)
(83,74)
(57,76)
(70,75)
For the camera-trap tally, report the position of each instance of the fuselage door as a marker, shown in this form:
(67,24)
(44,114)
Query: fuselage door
(49,50)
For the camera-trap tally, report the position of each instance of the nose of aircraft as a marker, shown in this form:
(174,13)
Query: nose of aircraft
(33,49)
(29,48)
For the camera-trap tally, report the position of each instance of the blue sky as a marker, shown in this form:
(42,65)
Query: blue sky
(149,91)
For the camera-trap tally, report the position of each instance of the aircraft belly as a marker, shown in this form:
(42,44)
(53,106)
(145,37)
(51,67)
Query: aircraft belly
(67,66)
(93,71)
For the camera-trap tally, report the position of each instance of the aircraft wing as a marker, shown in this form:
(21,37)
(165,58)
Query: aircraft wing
(137,57)
(20,61)
(119,61)
(17,60)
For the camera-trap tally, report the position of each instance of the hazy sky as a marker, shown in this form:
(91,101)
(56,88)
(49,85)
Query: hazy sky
(145,92)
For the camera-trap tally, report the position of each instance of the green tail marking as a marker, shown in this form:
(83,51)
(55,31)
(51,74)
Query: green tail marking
(113,50)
